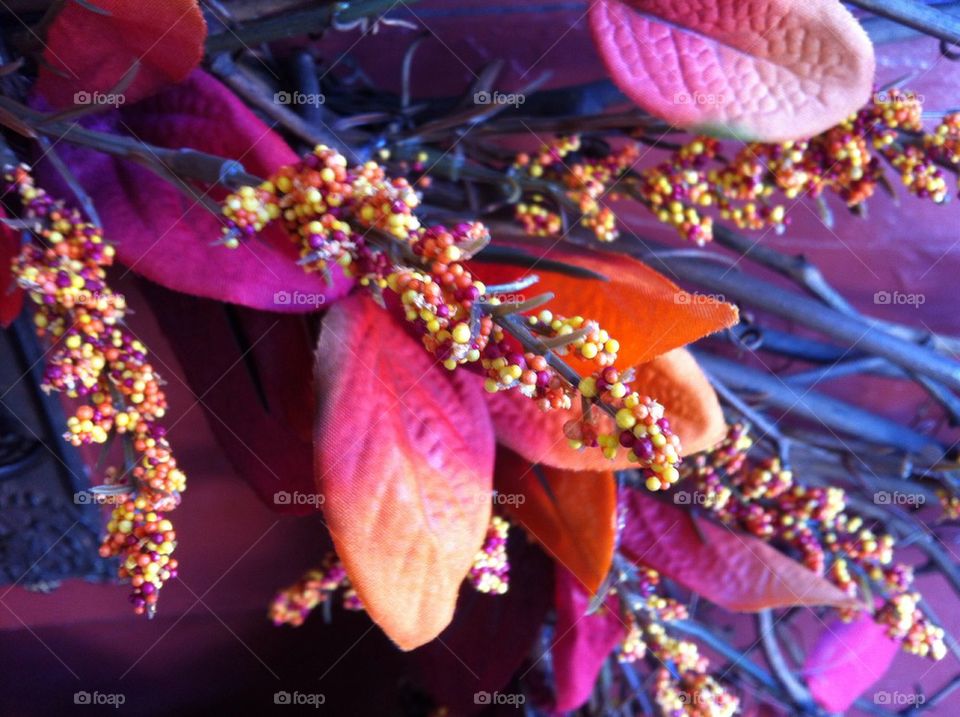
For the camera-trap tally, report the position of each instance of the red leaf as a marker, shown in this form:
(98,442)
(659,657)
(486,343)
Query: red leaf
(767,70)
(643,310)
(168,237)
(90,51)
(404,458)
(582,641)
(847,659)
(260,358)
(463,660)
(733,570)
(575,522)
(677,382)
(11,295)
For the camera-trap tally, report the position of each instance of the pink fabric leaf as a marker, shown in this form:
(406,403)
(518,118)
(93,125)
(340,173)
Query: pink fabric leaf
(768,70)
(168,237)
(582,642)
(847,659)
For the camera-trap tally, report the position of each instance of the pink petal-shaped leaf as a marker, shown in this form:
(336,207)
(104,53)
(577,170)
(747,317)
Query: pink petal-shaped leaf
(767,70)
(847,659)
(167,236)
(734,570)
(582,641)
(404,458)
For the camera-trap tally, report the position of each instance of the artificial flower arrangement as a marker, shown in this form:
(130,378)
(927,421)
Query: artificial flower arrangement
(477,357)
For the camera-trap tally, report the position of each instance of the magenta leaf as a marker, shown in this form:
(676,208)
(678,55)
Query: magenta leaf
(847,659)
(582,642)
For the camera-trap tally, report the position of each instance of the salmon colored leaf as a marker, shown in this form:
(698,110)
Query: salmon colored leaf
(483,664)
(255,390)
(168,236)
(538,435)
(733,570)
(582,642)
(404,458)
(93,46)
(691,404)
(572,515)
(847,659)
(643,310)
(11,295)
(767,70)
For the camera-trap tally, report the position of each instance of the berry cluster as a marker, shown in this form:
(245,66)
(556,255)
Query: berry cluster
(94,357)
(685,690)
(293,604)
(363,221)
(490,572)
(589,182)
(762,498)
(750,189)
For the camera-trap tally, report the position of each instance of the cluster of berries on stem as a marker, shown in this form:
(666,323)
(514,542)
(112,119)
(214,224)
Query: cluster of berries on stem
(364,222)
(95,359)
(762,498)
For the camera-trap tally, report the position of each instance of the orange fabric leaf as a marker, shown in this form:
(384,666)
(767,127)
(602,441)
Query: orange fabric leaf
(642,309)
(404,458)
(164,36)
(575,522)
(768,70)
(674,379)
(734,570)
(691,404)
